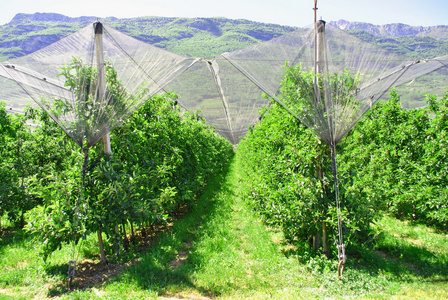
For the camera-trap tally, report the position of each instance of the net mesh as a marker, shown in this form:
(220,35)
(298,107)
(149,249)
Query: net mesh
(330,79)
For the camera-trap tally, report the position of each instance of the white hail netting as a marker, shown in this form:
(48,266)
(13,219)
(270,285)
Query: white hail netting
(91,98)
(353,75)
(226,89)
(331,95)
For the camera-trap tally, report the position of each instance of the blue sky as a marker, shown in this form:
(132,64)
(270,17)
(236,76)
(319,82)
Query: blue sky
(284,12)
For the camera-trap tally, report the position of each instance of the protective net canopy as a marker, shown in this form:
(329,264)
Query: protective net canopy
(91,81)
(346,78)
(330,79)
(228,90)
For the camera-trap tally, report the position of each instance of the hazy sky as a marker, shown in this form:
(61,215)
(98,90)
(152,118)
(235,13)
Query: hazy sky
(284,12)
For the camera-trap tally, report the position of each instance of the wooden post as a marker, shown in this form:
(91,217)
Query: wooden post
(321,68)
(320,47)
(319,52)
(101,84)
(100,92)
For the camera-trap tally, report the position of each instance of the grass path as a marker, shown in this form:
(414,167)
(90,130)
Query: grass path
(234,254)
(230,254)
(219,250)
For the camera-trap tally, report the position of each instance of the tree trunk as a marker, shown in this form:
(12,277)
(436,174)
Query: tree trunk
(132,234)
(100,242)
(316,241)
(22,220)
(118,240)
(125,240)
(325,240)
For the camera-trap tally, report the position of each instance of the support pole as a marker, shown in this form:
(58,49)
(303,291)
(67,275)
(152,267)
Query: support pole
(320,47)
(100,93)
(319,70)
(101,84)
(319,63)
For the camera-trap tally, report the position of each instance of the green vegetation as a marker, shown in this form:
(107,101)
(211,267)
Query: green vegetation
(398,161)
(222,250)
(162,161)
(178,218)
(392,160)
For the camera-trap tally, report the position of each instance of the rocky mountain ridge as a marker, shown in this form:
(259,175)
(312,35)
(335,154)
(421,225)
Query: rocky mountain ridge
(395,29)
(21,18)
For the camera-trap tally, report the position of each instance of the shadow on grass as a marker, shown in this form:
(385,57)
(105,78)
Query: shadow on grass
(417,260)
(395,256)
(154,271)
(149,274)
(14,236)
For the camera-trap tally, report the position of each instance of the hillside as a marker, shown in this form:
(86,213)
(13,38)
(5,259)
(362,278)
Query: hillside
(199,37)
(208,37)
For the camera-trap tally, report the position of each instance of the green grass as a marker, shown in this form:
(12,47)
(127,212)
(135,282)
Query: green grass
(231,254)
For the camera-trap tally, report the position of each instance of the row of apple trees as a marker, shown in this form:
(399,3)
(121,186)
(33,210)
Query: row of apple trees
(161,161)
(394,161)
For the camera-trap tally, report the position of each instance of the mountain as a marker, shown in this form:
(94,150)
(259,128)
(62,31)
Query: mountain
(208,37)
(199,37)
(396,30)
(414,41)
(48,17)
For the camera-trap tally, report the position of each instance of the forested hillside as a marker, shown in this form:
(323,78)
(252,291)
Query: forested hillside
(208,37)
(199,37)
(414,46)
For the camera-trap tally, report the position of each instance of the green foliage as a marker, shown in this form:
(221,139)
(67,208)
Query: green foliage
(28,157)
(230,254)
(288,170)
(288,179)
(161,161)
(298,95)
(169,154)
(394,160)
(399,161)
